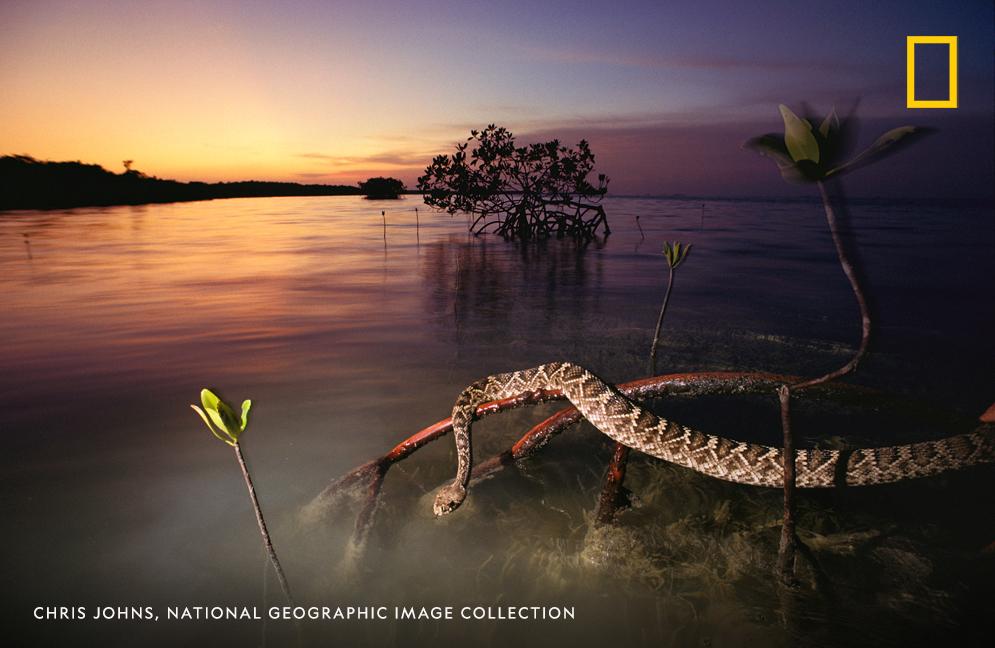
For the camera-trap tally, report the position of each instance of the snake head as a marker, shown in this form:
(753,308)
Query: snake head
(448,499)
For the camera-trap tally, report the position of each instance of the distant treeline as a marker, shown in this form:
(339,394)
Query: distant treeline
(27,183)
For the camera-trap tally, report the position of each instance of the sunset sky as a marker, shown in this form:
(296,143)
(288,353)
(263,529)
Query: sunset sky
(334,92)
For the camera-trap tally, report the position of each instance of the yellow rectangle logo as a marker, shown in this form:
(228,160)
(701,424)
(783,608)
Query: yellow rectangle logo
(910,64)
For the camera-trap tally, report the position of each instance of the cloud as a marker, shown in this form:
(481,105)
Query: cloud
(313,176)
(318,156)
(594,57)
(389,158)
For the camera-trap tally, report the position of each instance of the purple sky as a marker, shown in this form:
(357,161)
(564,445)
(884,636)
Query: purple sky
(336,91)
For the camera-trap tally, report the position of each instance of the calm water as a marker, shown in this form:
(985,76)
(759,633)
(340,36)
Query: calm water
(115,494)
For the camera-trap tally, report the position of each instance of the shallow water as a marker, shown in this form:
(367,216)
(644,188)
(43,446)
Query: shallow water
(349,336)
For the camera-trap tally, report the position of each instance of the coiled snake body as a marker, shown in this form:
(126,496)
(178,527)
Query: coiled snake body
(746,463)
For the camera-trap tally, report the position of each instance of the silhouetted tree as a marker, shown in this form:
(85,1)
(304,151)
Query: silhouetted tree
(127,165)
(380,187)
(27,183)
(524,191)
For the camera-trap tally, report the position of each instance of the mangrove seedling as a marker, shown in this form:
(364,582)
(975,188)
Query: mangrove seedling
(675,252)
(814,154)
(228,427)
(806,153)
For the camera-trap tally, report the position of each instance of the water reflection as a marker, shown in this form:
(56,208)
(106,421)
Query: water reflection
(497,291)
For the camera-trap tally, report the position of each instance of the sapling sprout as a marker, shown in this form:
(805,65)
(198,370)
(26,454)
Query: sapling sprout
(228,427)
(814,154)
(675,252)
(806,153)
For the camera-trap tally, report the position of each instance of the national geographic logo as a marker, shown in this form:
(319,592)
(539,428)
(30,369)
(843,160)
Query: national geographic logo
(910,71)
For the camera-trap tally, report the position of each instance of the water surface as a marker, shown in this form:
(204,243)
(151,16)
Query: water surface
(349,335)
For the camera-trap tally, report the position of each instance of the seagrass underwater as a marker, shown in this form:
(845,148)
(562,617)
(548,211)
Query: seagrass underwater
(370,613)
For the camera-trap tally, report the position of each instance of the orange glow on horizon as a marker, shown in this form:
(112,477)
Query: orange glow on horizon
(196,100)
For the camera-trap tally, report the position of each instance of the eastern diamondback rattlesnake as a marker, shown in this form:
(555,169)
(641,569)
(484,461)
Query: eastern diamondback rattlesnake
(736,461)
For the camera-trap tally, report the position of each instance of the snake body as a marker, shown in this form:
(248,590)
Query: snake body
(746,463)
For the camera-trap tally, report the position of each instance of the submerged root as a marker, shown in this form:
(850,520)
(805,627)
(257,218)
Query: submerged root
(353,487)
(692,537)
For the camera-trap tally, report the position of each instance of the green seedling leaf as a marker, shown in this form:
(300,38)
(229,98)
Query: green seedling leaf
(804,155)
(246,405)
(684,254)
(220,414)
(798,137)
(211,427)
(772,146)
(888,143)
(209,400)
(675,252)
(830,125)
(203,416)
(230,419)
(892,137)
(217,420)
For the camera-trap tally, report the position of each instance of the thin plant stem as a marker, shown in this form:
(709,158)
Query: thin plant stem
(611,490)
(263,531)
(786,550)
(789,539)
(262,630)
(659,322)
(858,293)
